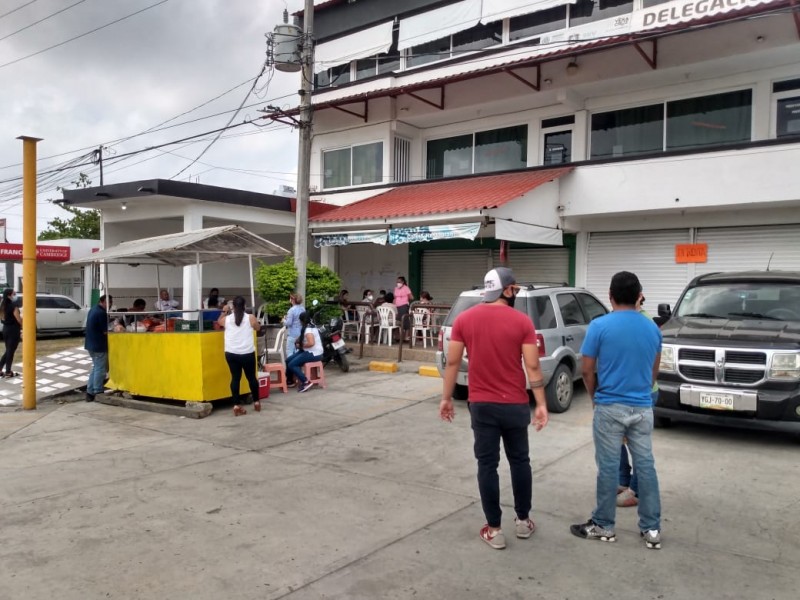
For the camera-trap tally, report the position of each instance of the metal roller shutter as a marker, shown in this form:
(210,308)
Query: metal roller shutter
(649,254)
(447,273)
(537,265)
(745,248)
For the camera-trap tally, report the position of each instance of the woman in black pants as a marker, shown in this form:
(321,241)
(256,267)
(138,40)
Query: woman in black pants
(240,351)
(12,331)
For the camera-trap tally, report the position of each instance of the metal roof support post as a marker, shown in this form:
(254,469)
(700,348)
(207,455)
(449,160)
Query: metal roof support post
(252,282)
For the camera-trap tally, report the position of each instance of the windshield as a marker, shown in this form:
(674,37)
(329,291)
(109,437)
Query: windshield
(770,301)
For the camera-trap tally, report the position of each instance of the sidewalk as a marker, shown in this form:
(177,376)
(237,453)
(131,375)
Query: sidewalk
(360,492)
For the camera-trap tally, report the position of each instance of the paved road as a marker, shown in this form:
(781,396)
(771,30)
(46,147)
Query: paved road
(360,492)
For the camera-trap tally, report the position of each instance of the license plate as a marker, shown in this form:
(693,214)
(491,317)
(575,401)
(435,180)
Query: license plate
(716,401)
(337,344)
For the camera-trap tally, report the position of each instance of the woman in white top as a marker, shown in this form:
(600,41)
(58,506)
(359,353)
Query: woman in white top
(309,349)
(240,351)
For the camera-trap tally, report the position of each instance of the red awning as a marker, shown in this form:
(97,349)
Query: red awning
(442,197)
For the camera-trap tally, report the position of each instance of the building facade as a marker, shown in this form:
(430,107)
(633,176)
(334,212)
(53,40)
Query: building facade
(662,133)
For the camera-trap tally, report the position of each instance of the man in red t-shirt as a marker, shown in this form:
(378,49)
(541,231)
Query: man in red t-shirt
(496,336)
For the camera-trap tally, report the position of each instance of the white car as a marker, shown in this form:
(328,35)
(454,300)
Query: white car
(57,314)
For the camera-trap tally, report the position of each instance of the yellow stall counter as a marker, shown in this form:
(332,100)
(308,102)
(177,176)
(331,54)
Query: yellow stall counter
(186,366)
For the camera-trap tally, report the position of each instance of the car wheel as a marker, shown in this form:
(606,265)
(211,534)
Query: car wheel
(461,392)
(559,391)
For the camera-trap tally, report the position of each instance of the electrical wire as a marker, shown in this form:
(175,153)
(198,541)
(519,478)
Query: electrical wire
(5,14)
(50,16)
(77,37)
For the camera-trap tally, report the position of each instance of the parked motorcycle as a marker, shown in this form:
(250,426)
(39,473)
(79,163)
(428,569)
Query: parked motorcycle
(332,342)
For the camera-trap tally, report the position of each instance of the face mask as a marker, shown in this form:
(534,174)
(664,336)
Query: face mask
(370,298)
(510,301)
(399,284)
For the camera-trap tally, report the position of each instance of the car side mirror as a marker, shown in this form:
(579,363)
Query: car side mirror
(664,310)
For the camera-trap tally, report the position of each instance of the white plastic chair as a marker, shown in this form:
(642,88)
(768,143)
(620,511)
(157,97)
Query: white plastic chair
(261,314)
(388,324)
(348,322)
(280,346)
(360,312)
(422,318)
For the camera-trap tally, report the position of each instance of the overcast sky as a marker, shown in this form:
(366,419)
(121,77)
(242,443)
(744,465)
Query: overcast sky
(131,76)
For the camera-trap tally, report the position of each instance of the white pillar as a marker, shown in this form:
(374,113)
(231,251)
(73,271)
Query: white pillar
(580,136)
(328,256)
(581,259)
(192,221)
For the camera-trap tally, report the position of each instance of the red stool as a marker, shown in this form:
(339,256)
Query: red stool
(280,370)
(310,368)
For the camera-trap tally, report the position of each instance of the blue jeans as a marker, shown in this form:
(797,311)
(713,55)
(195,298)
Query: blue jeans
(98,375)
(611,423)
(492,422)
(295,364)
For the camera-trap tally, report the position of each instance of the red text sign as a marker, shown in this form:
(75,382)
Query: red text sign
(13,252)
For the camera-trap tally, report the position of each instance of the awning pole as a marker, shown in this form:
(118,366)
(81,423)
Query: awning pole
(158,283)
(252,284)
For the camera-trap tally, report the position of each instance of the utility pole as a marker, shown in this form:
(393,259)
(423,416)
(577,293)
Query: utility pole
(99,155)
(29,271)
(304,152)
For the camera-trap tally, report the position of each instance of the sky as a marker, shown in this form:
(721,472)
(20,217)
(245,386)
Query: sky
(132,76)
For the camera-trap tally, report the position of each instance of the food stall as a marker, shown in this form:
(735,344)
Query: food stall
(183,362)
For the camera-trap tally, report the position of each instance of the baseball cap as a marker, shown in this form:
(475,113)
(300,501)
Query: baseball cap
(495,282)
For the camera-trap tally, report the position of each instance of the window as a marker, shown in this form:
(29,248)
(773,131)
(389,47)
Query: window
(570,310)
(430,52)
(357,165)
(44,302)
(478,37)
(588,11)
(557,147)
(787,120)
(546,314)
(591,307)
(536,23)
(709,121)
(482,152)
(65,303)
(402,159)
(628,132)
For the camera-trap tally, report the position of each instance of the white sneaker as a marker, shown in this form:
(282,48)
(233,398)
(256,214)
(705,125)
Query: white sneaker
(525,528)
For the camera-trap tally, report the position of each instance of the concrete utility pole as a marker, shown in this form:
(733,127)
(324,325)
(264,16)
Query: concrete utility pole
(29,271)
(304,153)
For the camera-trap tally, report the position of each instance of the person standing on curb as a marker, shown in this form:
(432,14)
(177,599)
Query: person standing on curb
(97,344)
(498,339)
(12,331)
(622,351)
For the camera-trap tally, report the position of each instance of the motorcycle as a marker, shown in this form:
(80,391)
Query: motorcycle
(332,342)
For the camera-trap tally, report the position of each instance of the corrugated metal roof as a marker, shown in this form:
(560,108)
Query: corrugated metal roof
(213,244)
(437,197)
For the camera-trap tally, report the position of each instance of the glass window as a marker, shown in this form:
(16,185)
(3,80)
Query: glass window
(788,116)
(322,79)
(558,121)
(65,303)
(368,163)
(536,23)
(388,62)
(709,121)
(570,310)
(430,52)
(628,132)
(557,148)
(46,302)
(592,308)
(501,149)
(587,11)
(546,314)
(449,157)
(340,75)
(366,67)
(787,85)
(336,168)
(480,36)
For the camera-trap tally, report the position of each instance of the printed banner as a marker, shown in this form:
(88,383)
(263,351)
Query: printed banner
(682,11)
(343,239)
(427,233)
(13,252)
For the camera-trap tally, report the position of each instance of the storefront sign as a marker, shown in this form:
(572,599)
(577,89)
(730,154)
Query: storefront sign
(13,252)
(428,233)
(344,239)
(681,11)
(691,253)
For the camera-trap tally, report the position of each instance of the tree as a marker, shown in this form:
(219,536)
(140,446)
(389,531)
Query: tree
(275,282)
(84,224)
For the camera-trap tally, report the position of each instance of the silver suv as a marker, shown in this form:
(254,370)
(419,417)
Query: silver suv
(560,314)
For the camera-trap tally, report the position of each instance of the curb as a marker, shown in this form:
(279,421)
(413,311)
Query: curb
(429,371)
(193,410)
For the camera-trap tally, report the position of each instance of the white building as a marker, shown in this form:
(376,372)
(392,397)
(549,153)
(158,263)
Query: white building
(593,136)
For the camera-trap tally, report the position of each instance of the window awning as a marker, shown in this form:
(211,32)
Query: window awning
(421,202)
(439,23)
(513,231)
(365,43)
(505,9)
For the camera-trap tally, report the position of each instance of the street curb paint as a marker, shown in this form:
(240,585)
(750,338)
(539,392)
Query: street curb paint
(385,367)
(429,371)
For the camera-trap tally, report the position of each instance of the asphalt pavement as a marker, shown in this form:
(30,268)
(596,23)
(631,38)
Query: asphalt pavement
(360,492)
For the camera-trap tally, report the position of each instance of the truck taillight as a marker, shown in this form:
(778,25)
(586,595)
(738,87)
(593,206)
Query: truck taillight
(441,340)
(540,344)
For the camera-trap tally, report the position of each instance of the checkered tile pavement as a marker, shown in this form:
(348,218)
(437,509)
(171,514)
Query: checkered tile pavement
(56,373)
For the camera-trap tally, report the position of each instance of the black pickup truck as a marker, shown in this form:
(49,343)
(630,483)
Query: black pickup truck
(731,352)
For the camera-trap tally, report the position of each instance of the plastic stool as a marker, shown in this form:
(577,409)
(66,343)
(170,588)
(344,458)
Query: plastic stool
(308,369)
(280,370)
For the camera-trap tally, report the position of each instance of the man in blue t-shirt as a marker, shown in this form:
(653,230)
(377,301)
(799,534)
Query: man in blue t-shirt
(97,345)
(621,353)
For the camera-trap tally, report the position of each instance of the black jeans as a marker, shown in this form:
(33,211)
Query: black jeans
(238,363)
(11,336)
(492,422)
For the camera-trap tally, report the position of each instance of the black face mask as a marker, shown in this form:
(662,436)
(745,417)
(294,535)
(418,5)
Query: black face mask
(510,301)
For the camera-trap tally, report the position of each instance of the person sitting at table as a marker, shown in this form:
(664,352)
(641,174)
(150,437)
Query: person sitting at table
(213,311)
(213,293)
(164,303)
(309,349)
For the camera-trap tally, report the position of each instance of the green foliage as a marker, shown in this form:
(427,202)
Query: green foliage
(84,224)
(275,282)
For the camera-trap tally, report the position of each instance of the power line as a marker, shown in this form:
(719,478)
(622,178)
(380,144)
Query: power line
(51,15)
(18,8)
(77,37)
